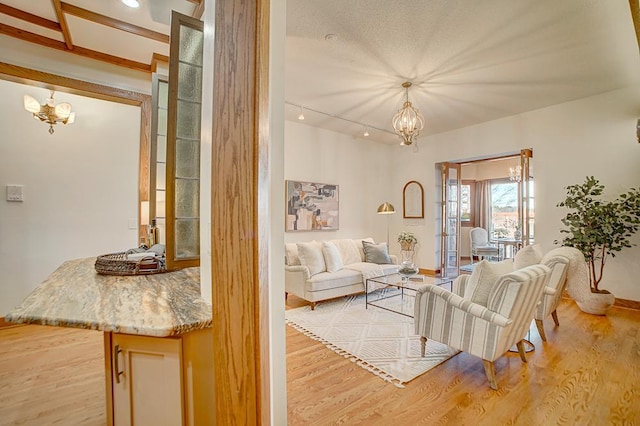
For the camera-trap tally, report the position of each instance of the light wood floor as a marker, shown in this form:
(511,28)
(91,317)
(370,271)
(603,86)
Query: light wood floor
(588,373)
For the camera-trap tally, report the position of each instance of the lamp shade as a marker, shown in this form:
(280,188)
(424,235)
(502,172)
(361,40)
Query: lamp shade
(386,208)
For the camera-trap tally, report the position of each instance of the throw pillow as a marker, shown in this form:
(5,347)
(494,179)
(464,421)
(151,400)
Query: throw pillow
(331,256)
(484,276)
(311,256)
(291,254)
(376,253)
(527,256)
(348,251)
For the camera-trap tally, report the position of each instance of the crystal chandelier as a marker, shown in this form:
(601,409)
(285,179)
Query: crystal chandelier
(408,121)
(515,173)
(49,112)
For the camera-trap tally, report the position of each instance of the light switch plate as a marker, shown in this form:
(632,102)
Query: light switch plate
(15,192)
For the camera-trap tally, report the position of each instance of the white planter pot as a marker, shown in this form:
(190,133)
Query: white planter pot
(597,303)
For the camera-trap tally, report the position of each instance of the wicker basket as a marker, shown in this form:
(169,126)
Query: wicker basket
(118,264)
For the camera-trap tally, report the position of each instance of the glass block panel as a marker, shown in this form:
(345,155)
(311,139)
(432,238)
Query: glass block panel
(187,159)
(189,82)
(163,94)
(161,176)
(187,198)
(188,125)
(162,122)
(161,149)
(161,204)
(187,238)
(191,42)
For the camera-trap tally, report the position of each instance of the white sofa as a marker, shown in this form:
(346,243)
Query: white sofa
(321,270)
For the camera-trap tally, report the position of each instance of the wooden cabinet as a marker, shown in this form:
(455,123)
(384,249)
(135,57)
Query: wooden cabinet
(159,381)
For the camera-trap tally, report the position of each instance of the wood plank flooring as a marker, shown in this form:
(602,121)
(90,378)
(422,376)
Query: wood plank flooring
(587,373)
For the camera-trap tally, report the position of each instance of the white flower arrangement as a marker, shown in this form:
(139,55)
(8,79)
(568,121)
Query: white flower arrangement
(407,238)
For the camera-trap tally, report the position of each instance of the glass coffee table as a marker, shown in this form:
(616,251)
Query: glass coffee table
(396,294)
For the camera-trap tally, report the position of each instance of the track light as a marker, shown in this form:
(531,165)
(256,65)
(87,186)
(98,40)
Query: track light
(301,116)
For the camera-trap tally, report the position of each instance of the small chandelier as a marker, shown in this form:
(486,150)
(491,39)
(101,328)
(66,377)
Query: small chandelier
(408,121)
(515,173)
(49,112)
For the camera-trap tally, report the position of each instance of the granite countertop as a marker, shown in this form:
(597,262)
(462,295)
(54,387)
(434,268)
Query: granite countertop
(75,295)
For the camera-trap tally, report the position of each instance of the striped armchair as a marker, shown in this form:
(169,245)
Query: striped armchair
(552,294)
(484,331)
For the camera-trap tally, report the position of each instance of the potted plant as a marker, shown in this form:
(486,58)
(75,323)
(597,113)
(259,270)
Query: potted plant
(599,228)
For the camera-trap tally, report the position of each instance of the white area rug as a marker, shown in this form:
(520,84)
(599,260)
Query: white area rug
(380,341)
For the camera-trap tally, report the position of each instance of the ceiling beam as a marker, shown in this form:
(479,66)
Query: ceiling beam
(155,59)
(66,34)
(29,17)
(635,15)
(113,23)
(81,51)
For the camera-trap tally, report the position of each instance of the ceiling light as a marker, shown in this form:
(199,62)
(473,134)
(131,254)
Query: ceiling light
(301,116)
(131,3)
(408,121)
(331,37)
(366,132)
(49,112)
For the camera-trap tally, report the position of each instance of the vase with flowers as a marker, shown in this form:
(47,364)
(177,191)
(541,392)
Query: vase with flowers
(408,243)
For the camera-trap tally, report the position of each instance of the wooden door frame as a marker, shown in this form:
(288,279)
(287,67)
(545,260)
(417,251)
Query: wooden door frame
(240,221)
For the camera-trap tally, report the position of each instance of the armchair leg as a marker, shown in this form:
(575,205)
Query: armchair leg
(520,346)
(423,344)
(540,326)
(490,372)
(554,314)
(313,306)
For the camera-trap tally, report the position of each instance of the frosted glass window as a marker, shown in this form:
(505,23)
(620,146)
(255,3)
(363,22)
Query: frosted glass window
(161,176)
(162,231)
(161,204)
(187,238)
(161,149)
(187,198)
(189,82)
(162,122)
(187,159)
(163,94)
(191,41)
(188,125)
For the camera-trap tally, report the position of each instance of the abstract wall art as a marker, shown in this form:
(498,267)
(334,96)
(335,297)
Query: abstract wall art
(311,206)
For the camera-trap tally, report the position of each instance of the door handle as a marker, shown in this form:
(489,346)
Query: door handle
(116,356)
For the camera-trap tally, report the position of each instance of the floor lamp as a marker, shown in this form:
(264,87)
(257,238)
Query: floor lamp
(386,208)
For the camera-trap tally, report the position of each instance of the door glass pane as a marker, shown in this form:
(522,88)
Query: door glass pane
(187,198)
(187,158)
(187,238)
(504,209)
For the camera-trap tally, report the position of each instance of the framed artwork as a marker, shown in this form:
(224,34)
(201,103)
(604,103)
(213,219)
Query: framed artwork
(311,206)
(413,200)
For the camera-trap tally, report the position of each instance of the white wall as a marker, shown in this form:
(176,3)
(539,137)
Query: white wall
(361,170)
(80,184)
(591,136)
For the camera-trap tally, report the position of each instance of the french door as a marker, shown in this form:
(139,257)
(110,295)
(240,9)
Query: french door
(450,214)
(526,198)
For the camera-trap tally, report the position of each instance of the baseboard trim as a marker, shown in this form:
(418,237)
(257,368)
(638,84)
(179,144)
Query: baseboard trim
(625,303)
(433,272)
(5,324)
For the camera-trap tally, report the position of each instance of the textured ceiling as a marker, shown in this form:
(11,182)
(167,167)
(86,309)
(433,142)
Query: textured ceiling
(469,61)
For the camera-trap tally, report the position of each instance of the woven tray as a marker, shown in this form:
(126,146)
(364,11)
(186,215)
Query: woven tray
(118,264)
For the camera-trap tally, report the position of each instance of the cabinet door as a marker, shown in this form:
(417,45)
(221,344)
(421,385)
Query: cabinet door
(147,380)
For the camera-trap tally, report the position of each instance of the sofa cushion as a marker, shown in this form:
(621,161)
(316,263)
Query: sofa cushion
(484,276)
(329,280)
(376,253)
(348,251)
(527,256)
(332,258)
(291,257)
(311,256)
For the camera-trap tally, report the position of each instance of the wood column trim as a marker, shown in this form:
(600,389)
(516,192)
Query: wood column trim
(239,222)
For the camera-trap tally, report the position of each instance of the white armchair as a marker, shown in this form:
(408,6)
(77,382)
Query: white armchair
(484,331)
(552,294)
(480,246)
